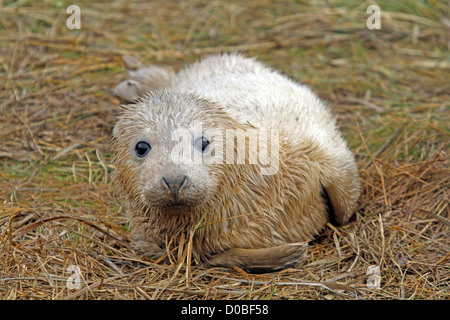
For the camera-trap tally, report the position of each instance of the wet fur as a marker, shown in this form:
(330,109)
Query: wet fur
(244,210)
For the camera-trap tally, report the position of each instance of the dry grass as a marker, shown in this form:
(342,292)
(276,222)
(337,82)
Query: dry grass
(59,208)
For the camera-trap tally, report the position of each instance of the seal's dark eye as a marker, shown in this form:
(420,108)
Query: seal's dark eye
(202,144)
(142,148)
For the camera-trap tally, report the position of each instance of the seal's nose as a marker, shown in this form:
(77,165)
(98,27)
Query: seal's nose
(175,184)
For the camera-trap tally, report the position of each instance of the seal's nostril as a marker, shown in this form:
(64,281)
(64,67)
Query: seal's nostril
(175,184)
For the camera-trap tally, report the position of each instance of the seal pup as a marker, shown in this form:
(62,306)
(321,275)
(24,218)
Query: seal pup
(254,215)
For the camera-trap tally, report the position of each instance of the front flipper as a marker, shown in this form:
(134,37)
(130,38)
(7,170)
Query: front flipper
(260,260)
(149,249)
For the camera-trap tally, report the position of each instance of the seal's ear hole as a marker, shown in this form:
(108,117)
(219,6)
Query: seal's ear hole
(202,144)
(142,149)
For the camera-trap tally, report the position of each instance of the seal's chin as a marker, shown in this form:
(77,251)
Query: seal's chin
(176,208)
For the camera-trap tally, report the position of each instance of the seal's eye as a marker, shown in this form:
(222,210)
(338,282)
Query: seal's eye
(142,148)
(202,144)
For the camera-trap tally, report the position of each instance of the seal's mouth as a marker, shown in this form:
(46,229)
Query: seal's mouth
(177,205)
(176,208)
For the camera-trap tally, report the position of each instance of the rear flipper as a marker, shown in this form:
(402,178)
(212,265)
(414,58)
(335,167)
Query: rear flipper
(261,260)
(141,79)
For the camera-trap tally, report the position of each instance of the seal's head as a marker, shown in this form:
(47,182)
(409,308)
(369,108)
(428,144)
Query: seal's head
(161,149)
